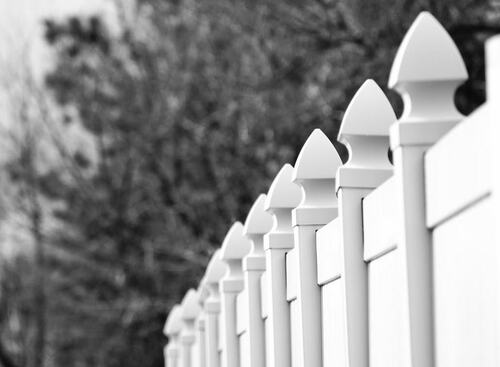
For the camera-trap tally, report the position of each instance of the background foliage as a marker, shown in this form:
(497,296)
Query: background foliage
(193,106)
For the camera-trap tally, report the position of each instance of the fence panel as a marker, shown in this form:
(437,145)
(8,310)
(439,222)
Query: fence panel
(467,302)
(402,270)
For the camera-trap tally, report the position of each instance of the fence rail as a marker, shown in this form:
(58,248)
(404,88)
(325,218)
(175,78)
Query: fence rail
(367,263)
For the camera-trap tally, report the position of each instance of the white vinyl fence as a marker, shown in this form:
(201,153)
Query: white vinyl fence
(367,263)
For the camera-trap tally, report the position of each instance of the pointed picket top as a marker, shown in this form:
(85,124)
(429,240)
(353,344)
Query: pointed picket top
(174,321)
(318,158)
(258,221)
(369,113)
(235,245)
(283,196)
(283,193)
(365,133)
(190,305)
(427,53)
(315,172)
(216,269)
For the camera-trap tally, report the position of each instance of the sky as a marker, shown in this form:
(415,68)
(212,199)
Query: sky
(21,30)
(21,40)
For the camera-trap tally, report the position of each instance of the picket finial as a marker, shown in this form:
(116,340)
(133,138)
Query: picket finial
(283,193)
(369,114)
(215,269)
(427,53)
(190,305)
(426,72)
(315,171)
(174,321)
(282,197)
(258,221)
(235,245)
(317,159)
(365,133)
(234,248)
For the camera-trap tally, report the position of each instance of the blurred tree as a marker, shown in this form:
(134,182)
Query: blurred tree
(194,106)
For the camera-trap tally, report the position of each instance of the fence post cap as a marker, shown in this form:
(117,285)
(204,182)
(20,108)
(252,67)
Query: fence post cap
(427,53)
(190,305)
(174,321)
(318,158)
(215,269)
(369,113)
(258,221)
(235,245)
(283,193)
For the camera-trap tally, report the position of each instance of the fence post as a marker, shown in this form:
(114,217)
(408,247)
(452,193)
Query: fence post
(172,330)
(493,100)
(200,342)
(315,172)
(426,71)
(365,132)
(190,310)
(234,249)
(257,223)
(283,196)
(215,271)
(201,325)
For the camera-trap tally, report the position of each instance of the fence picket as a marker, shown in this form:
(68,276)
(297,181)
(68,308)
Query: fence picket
(200,347)
(365,131)
(257,223)
(234,248)
(427,85)
(314,172)
(172,330)
(283,196)
(190,310)
(215,271)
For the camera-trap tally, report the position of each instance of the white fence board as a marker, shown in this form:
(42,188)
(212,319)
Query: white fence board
(386,315)
(466,297)
(380,220)
(329,252)
(295,331)
(464,155)
(263,295)
(244,344)
(241,312)
(291,275)
(334,336)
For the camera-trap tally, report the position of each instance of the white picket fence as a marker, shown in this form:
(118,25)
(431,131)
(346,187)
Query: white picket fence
(368,263)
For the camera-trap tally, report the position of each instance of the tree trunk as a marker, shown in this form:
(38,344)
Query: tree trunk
(39,308)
